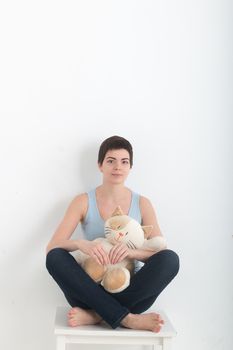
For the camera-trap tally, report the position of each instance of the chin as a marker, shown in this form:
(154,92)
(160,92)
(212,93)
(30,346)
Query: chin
(117,181)
(118,178)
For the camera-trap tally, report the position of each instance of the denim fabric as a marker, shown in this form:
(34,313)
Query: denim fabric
(145,286)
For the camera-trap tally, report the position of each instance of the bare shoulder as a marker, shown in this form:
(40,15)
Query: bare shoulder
(149,215)
(80,204)
(144,202)
(80,198)
(73,215)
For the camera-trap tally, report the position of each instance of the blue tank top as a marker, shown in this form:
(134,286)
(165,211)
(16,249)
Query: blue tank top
(93,224)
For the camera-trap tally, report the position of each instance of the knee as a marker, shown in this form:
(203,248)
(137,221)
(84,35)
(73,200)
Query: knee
(167,259)
(171,260)
(53,257)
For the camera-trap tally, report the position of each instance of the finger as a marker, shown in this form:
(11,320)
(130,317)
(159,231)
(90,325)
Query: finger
(104,256)
(102,253)
(107,258)
(120,257)
(116,257)
(98,256)
(94,256)
(113,253)
(110,254)
(118,253)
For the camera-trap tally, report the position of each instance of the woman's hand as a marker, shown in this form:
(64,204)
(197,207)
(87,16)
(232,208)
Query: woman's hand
(118,253)
(95,250)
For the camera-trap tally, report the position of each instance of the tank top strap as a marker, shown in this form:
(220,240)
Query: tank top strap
(134,211)
(92,225)
(92,205)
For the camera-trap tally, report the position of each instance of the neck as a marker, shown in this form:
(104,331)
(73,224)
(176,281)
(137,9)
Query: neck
(114,192)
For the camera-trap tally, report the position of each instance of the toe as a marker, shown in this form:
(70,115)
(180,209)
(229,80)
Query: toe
(72,311)
(72,323)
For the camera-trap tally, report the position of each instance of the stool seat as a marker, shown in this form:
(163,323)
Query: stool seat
(104,334)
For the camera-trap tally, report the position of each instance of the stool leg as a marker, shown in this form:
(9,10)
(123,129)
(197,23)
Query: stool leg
(157,347)
(61,343)
(167,343)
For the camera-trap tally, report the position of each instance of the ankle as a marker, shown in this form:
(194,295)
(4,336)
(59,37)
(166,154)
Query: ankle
(95,315)
(127,320)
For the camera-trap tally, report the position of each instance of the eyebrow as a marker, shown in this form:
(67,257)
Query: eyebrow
(115,158)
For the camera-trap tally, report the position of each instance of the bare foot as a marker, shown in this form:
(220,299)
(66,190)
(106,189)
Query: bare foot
(79,317)
(150,322)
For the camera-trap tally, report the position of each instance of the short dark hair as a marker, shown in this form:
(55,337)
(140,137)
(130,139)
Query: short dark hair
(115,142)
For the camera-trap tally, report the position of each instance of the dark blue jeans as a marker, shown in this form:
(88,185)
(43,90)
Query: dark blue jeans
(145,286)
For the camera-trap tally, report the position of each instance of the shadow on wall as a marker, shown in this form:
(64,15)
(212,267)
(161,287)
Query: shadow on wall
(27,259)
(34,244)
(87,167)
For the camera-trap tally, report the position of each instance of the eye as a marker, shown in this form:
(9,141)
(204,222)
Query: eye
(118,227)
(126,233)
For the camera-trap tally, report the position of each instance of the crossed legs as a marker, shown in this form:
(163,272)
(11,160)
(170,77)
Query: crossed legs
(91,303)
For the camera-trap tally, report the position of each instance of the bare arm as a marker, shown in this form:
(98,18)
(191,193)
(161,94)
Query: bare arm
(140,254)
(148,218)
(74,214)
(61,237)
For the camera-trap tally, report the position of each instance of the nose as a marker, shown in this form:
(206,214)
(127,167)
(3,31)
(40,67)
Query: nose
(117,165)
(120,234)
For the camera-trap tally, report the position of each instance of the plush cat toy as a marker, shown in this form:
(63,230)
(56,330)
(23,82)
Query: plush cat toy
(119,228)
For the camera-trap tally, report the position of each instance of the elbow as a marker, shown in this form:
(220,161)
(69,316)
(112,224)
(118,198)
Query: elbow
(48,248)
(162,243)
(157,243)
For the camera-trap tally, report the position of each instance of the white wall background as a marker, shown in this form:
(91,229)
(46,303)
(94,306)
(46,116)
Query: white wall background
(156,72)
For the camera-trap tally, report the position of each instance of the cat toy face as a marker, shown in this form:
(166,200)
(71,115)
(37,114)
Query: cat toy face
(123,229)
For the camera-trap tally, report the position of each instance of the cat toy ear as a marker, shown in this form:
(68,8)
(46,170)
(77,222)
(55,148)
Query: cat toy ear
(117,211)
(147,230)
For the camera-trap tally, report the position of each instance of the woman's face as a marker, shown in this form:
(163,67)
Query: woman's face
(115,166)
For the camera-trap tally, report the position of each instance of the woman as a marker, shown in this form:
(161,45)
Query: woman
(90,302)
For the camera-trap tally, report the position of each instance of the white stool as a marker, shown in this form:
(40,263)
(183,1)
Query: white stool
(102,334)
